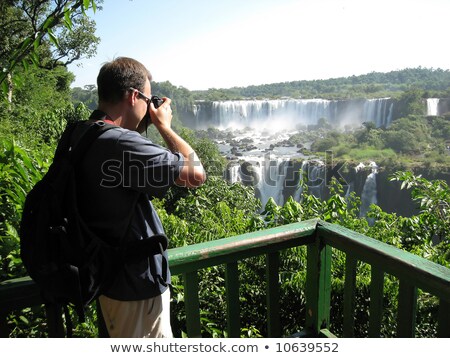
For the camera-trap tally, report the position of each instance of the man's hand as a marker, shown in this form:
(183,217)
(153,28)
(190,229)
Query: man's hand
(161,116)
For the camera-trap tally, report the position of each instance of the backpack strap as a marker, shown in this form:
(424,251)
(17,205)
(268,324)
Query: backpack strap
(93,131)
(64,142)
(65,145)
(153,245)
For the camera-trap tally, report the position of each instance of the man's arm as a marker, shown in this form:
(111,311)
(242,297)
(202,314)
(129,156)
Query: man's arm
(192,173)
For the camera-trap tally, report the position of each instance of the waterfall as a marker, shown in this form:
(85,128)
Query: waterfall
(254,113)
(292,113)
(369,193)
(432,106)
(269,178)
(299,190)
(266,175)
(233,173)
(379,111)
(271,183)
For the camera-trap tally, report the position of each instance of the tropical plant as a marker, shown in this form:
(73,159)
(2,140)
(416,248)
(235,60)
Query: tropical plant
(428,232)
(19,171)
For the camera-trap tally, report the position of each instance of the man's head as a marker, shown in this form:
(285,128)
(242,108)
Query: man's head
(117,77)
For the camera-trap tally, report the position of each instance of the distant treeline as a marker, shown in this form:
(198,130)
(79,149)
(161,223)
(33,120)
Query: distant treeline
(434,83)
(431,82)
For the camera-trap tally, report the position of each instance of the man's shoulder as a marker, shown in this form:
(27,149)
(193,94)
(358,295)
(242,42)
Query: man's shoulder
(123,136)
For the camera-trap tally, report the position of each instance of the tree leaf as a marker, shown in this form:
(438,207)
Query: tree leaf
(48,23)
(53,38)
(67,19)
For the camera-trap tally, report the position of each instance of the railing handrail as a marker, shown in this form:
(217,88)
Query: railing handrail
(231,249)
(425,274)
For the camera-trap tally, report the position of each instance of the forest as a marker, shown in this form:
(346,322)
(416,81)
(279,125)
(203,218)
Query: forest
(38,102)
(434,83)
(431,83)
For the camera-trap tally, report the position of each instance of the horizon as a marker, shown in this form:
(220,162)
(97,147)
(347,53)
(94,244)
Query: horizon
(201,44)
(310,80)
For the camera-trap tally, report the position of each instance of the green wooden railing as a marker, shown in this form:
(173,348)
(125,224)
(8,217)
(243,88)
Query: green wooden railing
(413,273)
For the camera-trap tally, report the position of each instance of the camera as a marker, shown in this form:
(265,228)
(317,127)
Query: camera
(156,101)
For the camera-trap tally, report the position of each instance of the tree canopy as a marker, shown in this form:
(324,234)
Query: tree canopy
(44,34)
(435,83)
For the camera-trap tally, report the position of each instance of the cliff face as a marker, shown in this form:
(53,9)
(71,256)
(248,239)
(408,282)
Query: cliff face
(444,106)
(370,183)
(392,199)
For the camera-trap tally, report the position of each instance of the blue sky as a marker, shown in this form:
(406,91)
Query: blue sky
(201,44)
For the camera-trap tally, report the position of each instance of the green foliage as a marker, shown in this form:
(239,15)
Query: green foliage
(215,210)
(212,160)
(87,96)
(410,103)
(32,129)
(409,135)
(373,85)
(19,171)
(429,231)
(42,88)
(417,140)
(323,144)
(181,97)
(440,128)
(48,33)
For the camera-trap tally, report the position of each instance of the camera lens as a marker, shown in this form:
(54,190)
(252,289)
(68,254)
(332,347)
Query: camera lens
(156,101)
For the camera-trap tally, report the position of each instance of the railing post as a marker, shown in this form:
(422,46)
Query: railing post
(54,320)
(273,294)
(4,332)
(444,319)
(192,304)
(376,302)
(232,295)
(407,308)
(349,296)
(318,286)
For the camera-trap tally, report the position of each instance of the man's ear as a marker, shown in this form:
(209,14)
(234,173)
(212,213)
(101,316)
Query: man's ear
(132,97)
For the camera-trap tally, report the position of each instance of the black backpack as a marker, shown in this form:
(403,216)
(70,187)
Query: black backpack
(70,263)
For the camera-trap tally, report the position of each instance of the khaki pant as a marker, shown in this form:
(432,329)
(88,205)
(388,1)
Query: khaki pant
(135,319)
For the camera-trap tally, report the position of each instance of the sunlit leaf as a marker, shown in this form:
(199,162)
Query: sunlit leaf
(67,20)
(53,38)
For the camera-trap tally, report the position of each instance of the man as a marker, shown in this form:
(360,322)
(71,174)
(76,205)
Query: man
(120,174)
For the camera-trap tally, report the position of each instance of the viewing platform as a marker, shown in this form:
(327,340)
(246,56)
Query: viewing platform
(414,273)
